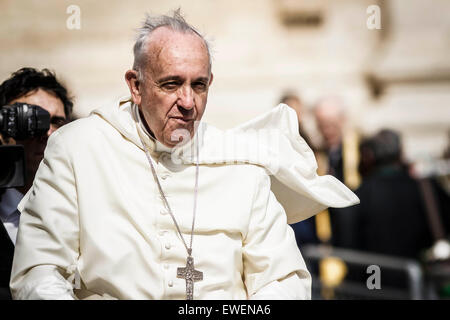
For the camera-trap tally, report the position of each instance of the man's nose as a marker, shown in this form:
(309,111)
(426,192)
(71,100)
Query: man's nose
(186,98)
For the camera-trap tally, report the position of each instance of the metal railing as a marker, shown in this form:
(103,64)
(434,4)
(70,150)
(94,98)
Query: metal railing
(414,285)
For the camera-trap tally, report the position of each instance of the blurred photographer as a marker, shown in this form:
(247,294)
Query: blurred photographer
(33,87)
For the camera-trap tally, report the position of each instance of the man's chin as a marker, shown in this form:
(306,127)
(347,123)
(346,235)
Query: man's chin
(178,142)
(179,137)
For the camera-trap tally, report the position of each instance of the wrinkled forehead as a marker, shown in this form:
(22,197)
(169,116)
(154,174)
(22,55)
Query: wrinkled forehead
(165,44)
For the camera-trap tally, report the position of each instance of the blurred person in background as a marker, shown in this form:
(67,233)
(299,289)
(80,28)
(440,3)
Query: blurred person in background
(392,217)
(435,191)
(305,231)
(441,181)
(400,215)
(337,156)
(40,88)
(296,103)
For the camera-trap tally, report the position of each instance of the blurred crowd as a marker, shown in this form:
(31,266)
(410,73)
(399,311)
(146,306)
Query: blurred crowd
(401,215)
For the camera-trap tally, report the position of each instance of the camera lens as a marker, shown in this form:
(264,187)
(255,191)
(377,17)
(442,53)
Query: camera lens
(21,121)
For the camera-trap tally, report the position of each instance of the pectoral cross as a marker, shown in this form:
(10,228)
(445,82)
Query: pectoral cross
(190,275)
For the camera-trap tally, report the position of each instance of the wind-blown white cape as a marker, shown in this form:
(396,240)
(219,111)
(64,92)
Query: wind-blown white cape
(272,141)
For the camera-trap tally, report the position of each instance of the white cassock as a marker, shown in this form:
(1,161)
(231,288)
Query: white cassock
(94,218)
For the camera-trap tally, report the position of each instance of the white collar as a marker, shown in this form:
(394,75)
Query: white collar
(158,146)
(9,202)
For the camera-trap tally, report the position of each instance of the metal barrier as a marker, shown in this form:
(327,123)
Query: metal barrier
(355,287)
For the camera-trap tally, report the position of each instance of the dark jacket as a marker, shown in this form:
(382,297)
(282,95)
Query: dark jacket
(6,259)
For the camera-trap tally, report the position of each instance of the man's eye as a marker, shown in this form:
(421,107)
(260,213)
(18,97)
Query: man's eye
(170,85)
(58,122)
(199,86)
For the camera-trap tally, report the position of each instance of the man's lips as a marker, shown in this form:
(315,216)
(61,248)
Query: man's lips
(181,119)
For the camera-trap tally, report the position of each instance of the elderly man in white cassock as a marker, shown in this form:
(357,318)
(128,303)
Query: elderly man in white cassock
(142,200)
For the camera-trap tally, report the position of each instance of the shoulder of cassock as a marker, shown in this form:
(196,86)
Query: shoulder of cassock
(271,141)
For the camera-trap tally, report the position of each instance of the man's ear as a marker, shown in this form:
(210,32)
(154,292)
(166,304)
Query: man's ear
(131,77)
(211,79)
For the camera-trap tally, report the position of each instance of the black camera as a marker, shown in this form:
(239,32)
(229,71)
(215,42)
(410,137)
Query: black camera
(19,121)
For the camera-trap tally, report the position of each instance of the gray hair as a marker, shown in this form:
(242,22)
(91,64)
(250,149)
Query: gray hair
(151,23)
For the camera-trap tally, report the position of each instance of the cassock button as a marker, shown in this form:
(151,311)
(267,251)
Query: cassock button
(163,212)
(170,283)
(167,246)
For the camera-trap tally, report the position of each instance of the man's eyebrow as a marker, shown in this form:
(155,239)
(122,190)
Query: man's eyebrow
(202,79)
(178,78)
(168,78)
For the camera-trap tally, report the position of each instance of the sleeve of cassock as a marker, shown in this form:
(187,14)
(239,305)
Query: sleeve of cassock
(48,238)
(273,265)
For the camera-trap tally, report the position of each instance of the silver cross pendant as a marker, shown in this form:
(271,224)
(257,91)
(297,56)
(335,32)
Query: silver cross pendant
(190,275)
